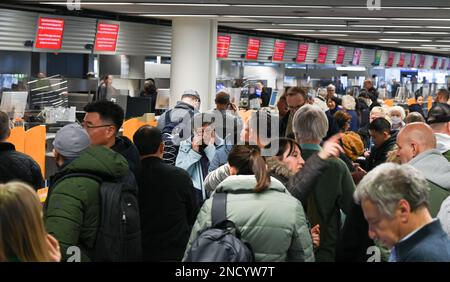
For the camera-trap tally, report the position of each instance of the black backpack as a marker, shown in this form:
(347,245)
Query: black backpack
(172,134)
(221,242)
(119,232)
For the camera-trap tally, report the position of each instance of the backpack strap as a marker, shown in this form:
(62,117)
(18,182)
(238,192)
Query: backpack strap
(219,208)
(167,117)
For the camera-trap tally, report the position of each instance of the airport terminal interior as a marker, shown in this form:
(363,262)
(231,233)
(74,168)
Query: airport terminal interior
(225,131)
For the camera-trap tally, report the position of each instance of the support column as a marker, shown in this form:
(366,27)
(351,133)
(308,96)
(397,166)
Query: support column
(193,59)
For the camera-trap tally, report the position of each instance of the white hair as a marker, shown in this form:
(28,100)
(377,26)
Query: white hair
(389,183)
(310,124)
(322,92)
(397,109)
(348,102)
(331,86)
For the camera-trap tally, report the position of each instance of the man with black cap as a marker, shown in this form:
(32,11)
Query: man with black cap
(72,210)
(439,121)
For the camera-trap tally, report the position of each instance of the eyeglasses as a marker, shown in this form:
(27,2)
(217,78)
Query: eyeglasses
(86,126)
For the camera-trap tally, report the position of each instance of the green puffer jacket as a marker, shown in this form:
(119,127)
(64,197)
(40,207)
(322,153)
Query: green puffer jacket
(72,212)
(272,221)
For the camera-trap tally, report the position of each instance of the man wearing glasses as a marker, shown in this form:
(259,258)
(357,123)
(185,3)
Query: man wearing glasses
(102,122)
(296,97)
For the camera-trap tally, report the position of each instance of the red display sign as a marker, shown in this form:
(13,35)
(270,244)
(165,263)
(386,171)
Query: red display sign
(340,55)
(390,61)
(323,51)
(422,61)
(253,49)
(401,61)
(412,61)
(435,62)
(443,62)
(302,52)
(50,33)
(106,38)
(223,46)
(278,50)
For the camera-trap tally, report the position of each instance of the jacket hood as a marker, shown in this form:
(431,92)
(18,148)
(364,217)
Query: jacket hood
(389,143)
(100,161)
(434,166)
(279,168)
(184,105)
(247,183)
(443,142)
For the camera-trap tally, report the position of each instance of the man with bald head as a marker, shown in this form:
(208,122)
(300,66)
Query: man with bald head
(417,147)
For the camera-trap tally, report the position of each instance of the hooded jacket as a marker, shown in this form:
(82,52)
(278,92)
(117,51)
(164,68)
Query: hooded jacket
(379,155)
(72,213)
(272,221)
(178,113)
(443,144)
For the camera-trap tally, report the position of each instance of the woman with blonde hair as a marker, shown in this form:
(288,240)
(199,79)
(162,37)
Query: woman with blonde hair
(22,234)
(397,115)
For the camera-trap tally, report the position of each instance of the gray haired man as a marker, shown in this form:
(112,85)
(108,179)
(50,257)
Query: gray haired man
(394,199)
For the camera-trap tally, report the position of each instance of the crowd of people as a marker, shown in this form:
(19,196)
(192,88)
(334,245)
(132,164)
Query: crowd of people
(326,179)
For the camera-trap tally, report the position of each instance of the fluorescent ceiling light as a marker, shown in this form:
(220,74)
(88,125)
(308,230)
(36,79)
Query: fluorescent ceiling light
(88,3)
(313,25)
(405,40)
(376,42)
(321,34)
(392,7)
(281,6)
(345,18)
(351,68)
(445,41)
(435,45)
(420,19)
(286,30)
(438,27)
(268,17)
(179,15)
(386,26)
(350,31)
(184,4)
(415,32)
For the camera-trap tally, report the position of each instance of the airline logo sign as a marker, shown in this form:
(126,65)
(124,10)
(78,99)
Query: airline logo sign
(253,49)
(223,46)
(278,51)
(302,52)
(390,61)
(50,33)
(106,38)
(401,61)
(340,55)
(323,51)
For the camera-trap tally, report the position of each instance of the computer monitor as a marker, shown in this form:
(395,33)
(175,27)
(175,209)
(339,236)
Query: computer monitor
(138,106)
(273,99)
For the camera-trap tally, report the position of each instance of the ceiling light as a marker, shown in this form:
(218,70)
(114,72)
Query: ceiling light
(345,18)
(351,68)
(376,42)
(88,3)
(420,19)
(435,45)
(322,25)
(184,4)
(391,7)
(286,30)
(179,15)
(406,40)
(445,41)
(438,27)
(351,31)
(415,32)
(386,26)
(281,6)
(321,34)
(268,17)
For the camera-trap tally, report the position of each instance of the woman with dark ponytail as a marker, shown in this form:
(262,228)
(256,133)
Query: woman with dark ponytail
(264,212)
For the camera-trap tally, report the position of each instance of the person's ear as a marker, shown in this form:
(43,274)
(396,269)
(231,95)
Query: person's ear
(233,170)
(403,211)
(161,148)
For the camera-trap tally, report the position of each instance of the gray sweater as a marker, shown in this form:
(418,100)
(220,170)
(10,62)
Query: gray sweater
(434,166)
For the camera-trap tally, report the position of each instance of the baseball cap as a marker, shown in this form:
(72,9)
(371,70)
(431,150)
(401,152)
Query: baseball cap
(191,93)
(71,140)
(440,112)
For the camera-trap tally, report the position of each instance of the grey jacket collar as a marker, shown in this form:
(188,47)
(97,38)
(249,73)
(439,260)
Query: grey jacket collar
(246,184)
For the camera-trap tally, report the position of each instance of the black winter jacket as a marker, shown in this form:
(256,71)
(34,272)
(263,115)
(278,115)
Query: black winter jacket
(18,166)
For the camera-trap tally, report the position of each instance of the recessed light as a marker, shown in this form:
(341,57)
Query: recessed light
(405,40)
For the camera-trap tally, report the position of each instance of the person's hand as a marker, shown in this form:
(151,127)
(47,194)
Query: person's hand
(209,137)
(331,148)
(53,248)
(315,234)
(367,154)
(232,107)
(196,142)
